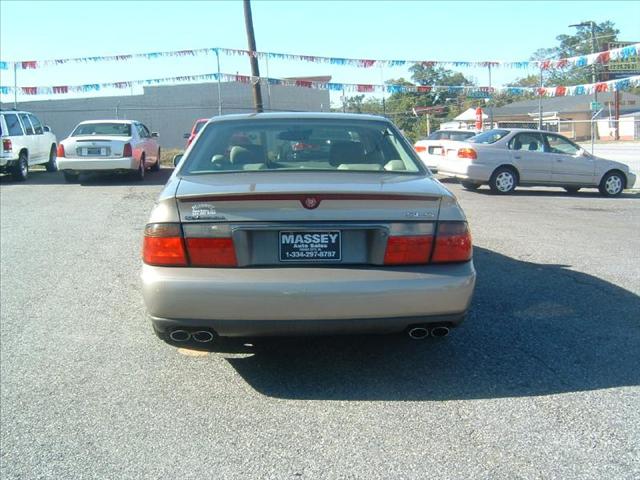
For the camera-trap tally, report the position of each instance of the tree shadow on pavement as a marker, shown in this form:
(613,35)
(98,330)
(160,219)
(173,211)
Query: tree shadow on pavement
(533,329)
(42,177)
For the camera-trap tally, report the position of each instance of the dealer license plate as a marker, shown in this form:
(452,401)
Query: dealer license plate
(310,246)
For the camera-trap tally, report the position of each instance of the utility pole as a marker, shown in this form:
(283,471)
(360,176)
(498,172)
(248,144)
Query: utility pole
(594,47)
(540,102)
(490,103)
(253,59)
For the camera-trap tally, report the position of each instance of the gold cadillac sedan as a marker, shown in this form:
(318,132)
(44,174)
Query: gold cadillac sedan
(301,224)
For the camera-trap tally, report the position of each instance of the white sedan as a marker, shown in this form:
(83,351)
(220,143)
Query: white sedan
(124,146)
(430,149)
(506,158)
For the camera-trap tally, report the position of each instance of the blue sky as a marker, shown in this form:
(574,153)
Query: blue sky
(471,31)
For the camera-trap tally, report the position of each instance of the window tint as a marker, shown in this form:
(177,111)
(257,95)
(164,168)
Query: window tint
(144,131)
(13,125)
(491,136)
(117,129)
(28,128)
(199,126)
(300,145)
(37,126)
(461,136)
(531,142)
(561,145)
(435,136)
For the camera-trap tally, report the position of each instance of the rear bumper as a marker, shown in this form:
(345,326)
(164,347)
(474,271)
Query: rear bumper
(279,301)
(6,160)
(460,168)
(83,164)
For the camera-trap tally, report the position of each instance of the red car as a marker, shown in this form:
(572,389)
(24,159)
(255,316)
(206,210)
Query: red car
(194,131)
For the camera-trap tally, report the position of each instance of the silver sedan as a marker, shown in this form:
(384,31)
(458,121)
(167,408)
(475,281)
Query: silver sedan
(247,240)
(506,158)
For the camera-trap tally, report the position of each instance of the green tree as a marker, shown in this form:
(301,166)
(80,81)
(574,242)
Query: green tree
(580,43)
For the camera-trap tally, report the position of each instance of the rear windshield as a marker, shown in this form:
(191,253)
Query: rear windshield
(301,145)
(450,135)
(491,136)
(117,129)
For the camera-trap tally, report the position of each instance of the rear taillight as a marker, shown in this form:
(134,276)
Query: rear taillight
(127,151)
(453,243)
(163,245)
(60,152)
(420,148)
(414,246)
(200,245)
(211,252)
(467,153)
(408,250)
(6,145)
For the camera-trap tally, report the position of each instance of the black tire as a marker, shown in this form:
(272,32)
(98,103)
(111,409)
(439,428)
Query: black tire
(71,177)
(139,173)
(20,171)
(52,164)
(612,184)
(503,181)
(470,186)
(156,166)
(572,190)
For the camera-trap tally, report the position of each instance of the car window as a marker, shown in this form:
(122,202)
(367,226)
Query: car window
(28,128)
(460,136)
(13,125)
(115,129)
(490,136)
(300,145)
(37,126)
(436,136)
(144,131)
(531,142)
(199,126)
(557,144)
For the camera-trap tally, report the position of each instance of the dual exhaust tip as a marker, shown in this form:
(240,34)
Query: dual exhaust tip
(420,333)
(200,336)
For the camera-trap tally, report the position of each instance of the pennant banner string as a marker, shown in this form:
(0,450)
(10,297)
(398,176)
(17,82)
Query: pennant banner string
(604,57)
(473,91)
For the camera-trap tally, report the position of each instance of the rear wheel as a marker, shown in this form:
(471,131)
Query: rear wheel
(139,174)
(52,164)
(572,190)
(612,184)
(20,171)
(70,177)
(503,181)
(470,186)
(156,166)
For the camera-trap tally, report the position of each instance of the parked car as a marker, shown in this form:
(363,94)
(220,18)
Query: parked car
(430,149)
(506,158)
(25,142)
(359,238)
(195,130)
(124,146)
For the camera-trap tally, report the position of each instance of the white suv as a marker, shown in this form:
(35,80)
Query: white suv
(25,142)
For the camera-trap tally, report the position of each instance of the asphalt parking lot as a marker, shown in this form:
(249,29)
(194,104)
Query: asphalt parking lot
(541,381)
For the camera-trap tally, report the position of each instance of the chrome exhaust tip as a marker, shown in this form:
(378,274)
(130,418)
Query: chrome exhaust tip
(440,331)
(202,336)
(418,333)
(180,335)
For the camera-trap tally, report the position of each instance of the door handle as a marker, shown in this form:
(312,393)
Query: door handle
(559,160)
(517,157)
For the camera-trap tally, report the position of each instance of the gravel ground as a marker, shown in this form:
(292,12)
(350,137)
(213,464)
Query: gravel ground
(541,381)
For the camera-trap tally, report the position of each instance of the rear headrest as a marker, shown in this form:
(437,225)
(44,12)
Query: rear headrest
(241,155)
(346,152)
(517,145)
(533,146)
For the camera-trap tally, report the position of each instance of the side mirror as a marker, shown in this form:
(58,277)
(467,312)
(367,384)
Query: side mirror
(177,158)
(186,135)
(46,128)
(154,134)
